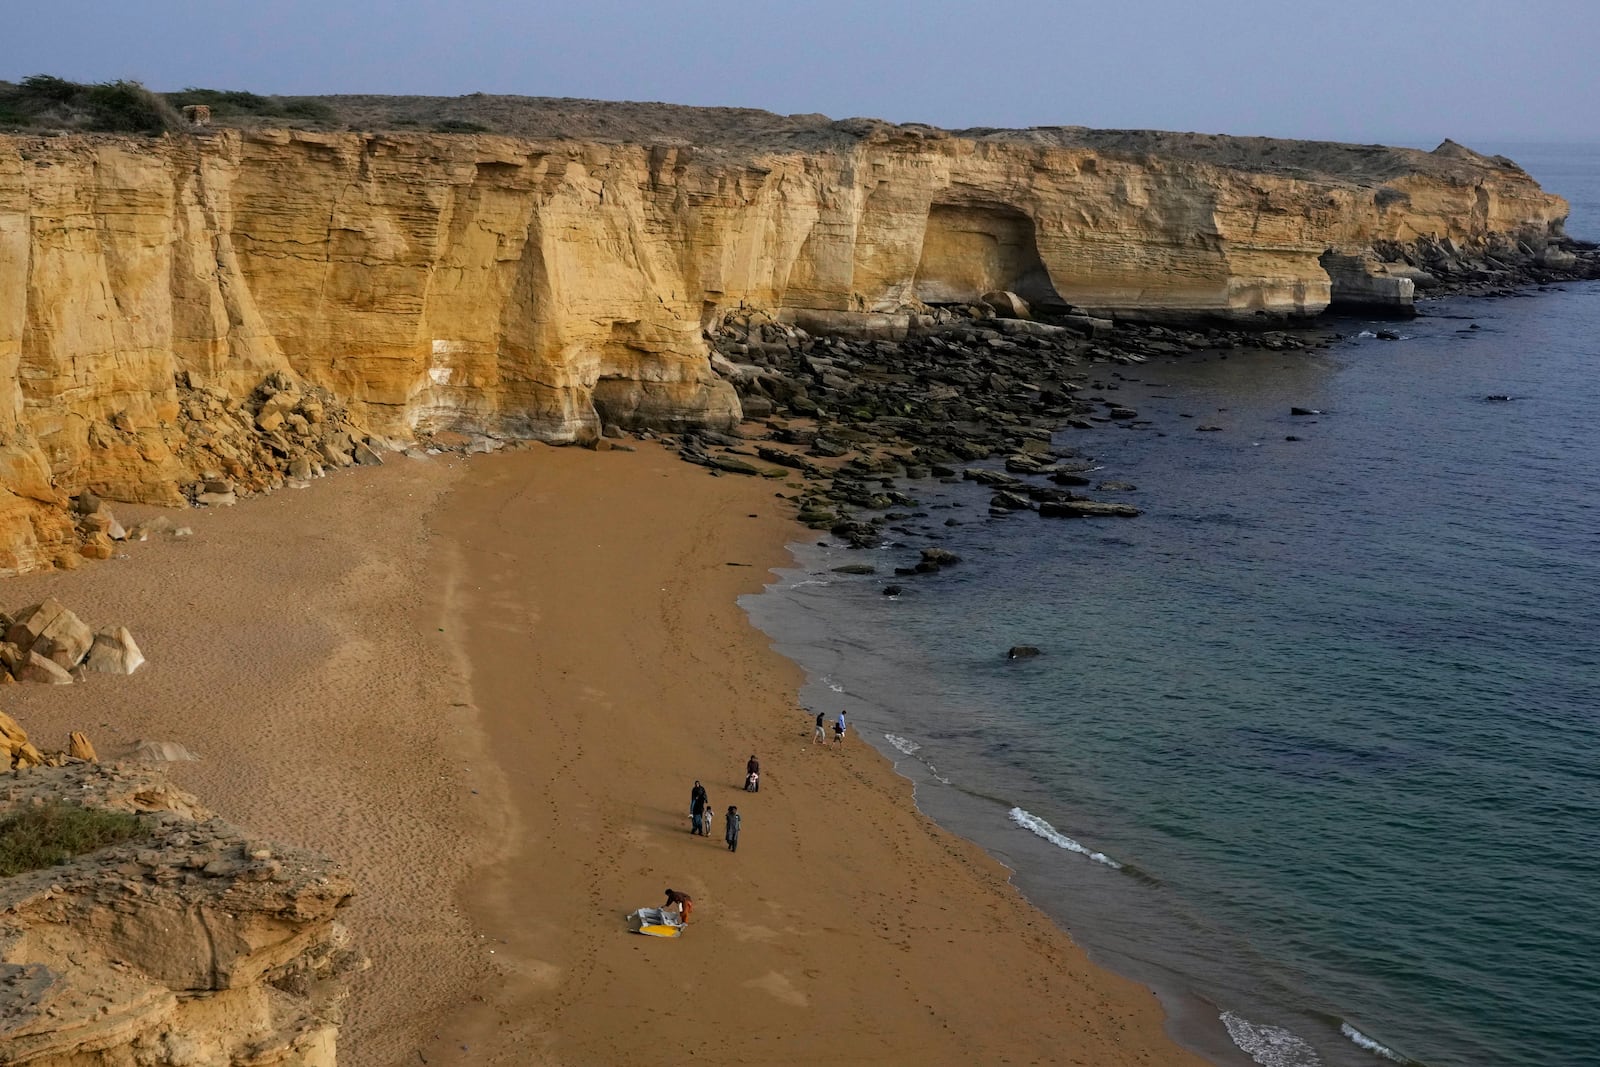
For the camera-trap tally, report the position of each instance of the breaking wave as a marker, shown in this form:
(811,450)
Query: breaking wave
(1376,1048)
(1270,1046)
(1033,824)
(902,744)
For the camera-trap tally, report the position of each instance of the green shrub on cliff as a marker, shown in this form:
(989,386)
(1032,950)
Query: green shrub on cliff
(45,101)
(34,838)
(239,104)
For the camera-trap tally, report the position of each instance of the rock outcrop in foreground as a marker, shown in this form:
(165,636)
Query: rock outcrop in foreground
(192,945)
(196,307)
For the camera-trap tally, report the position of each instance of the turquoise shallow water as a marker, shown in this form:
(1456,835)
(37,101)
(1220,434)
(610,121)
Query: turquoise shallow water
(1313,744)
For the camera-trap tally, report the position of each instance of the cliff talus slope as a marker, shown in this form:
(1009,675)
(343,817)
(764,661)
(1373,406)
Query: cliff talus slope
(545,285)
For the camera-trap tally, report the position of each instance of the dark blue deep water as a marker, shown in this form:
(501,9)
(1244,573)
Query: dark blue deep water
(1314,744)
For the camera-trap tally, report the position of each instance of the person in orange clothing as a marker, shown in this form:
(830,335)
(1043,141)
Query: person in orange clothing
(684,902)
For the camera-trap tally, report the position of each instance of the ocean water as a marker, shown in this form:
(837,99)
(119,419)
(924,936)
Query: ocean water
(1313,746)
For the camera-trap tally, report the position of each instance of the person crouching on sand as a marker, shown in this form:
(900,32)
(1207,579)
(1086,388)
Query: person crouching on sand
(838,730)
(732,833)
(684,903)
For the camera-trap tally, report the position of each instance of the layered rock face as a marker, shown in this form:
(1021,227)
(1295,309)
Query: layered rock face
(193,945)
(544,287)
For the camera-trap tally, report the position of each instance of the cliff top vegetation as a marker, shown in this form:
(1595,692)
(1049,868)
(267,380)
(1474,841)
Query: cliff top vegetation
(36,837)
(42,102)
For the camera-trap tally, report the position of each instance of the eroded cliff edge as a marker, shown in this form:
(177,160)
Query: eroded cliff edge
(540,287)
(192,944)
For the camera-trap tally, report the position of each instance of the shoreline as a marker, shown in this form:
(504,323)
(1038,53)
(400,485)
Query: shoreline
(794,948)
(504,791)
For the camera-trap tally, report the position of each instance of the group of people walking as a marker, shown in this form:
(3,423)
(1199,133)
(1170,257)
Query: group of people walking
(701,816)
(820,736)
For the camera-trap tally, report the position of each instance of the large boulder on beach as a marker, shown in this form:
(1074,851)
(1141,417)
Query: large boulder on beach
(42,671)
(114,652)
(1007,305)
(50,630)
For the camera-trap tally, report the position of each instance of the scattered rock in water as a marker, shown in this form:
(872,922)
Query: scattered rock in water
(1005,501)
(1117,487)
(939,557)
(891,590)
(1208,429)
(1498,398)
(1387,335)
(856,568)
(1087,509)
(1022,652)
(1305,411)
(1291,437)
(1070,478)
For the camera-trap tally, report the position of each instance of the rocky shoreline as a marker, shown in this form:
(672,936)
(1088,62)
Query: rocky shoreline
(856,417)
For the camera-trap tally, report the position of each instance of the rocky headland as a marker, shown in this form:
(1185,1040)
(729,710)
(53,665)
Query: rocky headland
(228,309)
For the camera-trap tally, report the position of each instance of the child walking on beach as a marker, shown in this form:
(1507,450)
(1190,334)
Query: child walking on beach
(732,833)
(838,730)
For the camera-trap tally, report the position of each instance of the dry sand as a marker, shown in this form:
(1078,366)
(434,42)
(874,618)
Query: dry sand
(487,688)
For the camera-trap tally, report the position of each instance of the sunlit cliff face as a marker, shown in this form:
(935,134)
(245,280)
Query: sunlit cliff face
(543,289)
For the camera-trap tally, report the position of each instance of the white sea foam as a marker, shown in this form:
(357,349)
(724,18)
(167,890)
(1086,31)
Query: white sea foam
(809,581)
(1270,1046)
(904,744)
(835,686)
(1032,823)
(1376,1048)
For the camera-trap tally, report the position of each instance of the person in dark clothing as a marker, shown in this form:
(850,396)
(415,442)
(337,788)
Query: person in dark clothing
(732,833)
(684,902)
(752,775)
(818,734)
(698,803)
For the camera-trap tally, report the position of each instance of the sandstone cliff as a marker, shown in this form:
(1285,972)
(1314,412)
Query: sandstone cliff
(193,945)
(546,284)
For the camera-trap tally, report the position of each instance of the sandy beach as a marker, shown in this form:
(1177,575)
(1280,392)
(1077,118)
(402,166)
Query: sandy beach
(486,687)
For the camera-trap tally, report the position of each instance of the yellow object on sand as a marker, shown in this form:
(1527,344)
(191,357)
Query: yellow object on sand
(661,930)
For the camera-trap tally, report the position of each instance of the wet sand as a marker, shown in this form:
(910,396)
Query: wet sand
(487,688)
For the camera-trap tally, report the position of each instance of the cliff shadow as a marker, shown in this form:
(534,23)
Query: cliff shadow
(972,249)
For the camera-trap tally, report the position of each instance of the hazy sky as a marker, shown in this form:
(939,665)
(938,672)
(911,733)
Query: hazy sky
(1359,70)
